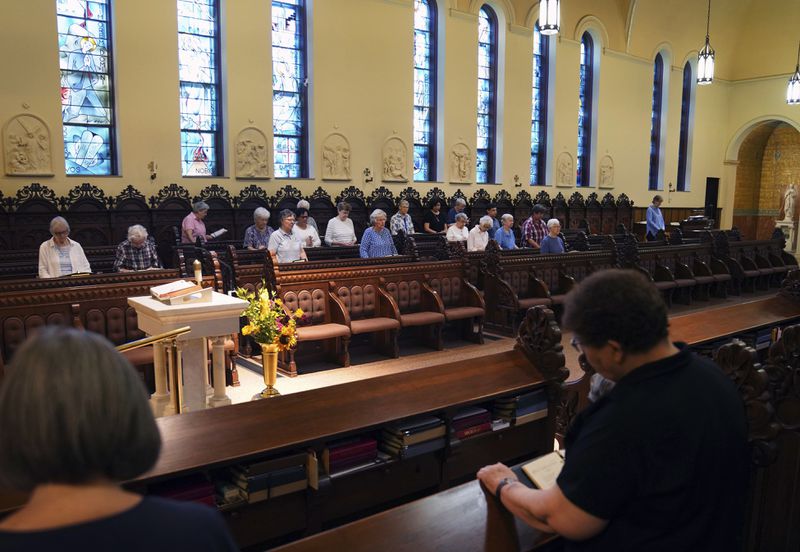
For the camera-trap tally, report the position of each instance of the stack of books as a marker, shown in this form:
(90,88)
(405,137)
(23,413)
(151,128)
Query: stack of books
(350,454)
(413,437)
(471,421)
(271,478)
(194,488)
(523,408)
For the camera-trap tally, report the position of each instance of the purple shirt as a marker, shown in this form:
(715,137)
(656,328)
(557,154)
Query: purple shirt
(197,226)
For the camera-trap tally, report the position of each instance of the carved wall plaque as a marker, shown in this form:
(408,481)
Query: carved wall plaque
(395,160)
(565,176)
(461,164)
(252,154)
(26,147)
(336,157)
(607,172)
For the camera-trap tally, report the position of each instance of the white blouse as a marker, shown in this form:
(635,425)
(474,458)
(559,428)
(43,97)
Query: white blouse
(457,234)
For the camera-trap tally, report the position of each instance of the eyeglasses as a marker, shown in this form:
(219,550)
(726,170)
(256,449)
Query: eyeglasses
(62,233)
(576,345)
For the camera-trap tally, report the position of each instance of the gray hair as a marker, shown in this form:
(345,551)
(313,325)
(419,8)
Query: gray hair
(260,213)
(200,206)
(343,206)
(58,221)
(404,203)
(506,217)
(303,204)
(72,409)
(461,201)
(462,216)
(284,214)
(552,222)
(486,220)
(376,214)
(137,231)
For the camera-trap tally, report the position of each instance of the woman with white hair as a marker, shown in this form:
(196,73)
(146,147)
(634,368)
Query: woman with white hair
(340,231)
(193,226)
(61,256)
(505,234)
(257,235)
(137,252)
(303,204)
(401,220)
(552,243)
(458,231)
(377,240)
(458,207)
(479,235)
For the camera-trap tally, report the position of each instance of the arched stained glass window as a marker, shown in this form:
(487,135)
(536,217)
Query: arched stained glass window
(87,88)
(289,89)
(655,122)
(200,91)
(686,110)
(487,95)
(425,44)
(585,110)
(539,107)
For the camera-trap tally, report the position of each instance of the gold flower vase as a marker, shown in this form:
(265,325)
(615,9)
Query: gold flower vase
(269,362)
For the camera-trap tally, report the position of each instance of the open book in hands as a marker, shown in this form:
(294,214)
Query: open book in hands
(218,233)
(543,471)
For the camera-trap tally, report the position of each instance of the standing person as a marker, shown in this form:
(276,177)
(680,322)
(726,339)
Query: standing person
(340,230)
(284,245)
(61,256)
(655,220)
(660,462)
(491,212)
(479,235)
(534,229)
(377,241)
(505,235)
(458,230)
(193,226)
(401,220)
(303,229)
(434,220)
(552,243)
(257,235)
(458,207)
(137,252)
(75,424)
(303,204)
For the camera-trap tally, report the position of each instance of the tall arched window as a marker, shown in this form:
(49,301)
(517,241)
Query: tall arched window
(539,106)
(487,95)
(87,91)
(686,111)
(200,90)
(425,44)
(583,164)
(289,89)
(655,122)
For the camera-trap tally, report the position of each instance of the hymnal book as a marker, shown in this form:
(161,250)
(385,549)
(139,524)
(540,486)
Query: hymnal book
(288,475)
(349,452)
(414,425)
(414,450)
(174,289)
(474,430)
(414,438)
(288,488)
(531,417)
(544,470)
(218,233)
(470,417)
(273,464)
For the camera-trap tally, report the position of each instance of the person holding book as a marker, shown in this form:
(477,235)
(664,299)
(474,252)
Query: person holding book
(478,237)
(193,226)
(302,229)
(61,256)
(660,461)
(137,252)
(377,240)
(74,424)
(458,232)
(284,245)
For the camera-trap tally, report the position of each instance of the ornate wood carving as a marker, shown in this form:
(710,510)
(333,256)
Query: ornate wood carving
(381,194)
(351,193)
(722,246)
(783,368)
(83,192)
(543,198)
(580,243)
(436,193)
(608,201)
(592,201)
(320,193)
(539,339)
(215,191)
(458,193)
(628,252)
(675,236)
(503,198)
(490,262)
(173,191)
(523,198)
(34,192)
(624,201)
(252,192)
(128,194)
(481,195)
(576,201)
(288,192)
(790,287)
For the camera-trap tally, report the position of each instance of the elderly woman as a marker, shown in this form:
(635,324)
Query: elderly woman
(377,240)
(340,228)
(458,231)
(505,234)
(193,226)
(479,235)
(401,220)
(61,256)
(434,220)
(458,207)
(303,204)
(137,252)
(552,243)
(74,424)
(303,229)
(257,235)
(284,245)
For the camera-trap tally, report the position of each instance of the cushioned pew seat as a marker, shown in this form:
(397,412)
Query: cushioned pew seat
(421,319)
(322,331)
(529,302)
(370,325)
(460,313)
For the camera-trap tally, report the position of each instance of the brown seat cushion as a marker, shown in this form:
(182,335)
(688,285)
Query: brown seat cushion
(685,282)
(722,277)
(666,285)
(529,302)
(421,318)
(704,279)
(752,273)
(460,313)
(322,331)
(558,299)
(140,356)
(373,325)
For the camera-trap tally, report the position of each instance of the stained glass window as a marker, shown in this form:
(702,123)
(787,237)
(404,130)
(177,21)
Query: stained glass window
(87,96)
(655,121)
(585,110)
(200,94)
(487,95)
(289,89)
(686,106)
(425,42)
(539,107)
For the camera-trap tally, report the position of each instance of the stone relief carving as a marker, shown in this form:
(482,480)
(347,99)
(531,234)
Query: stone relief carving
(461,164)
(565,176)
(607,172)
(26,146)
(395,160)
(336,157)
(252,154)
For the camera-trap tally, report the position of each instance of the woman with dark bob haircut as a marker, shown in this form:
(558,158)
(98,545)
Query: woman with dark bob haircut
(74,424)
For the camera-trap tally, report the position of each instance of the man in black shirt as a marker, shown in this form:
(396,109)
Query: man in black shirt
(659,463)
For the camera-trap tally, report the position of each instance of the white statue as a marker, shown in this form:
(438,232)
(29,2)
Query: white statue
(788,203)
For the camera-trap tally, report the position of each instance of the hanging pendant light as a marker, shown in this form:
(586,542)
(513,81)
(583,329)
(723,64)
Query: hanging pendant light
(705,57)
(549,16)
(793,90)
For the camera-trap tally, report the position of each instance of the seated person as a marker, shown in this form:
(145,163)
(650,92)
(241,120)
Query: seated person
(137,252)
(303,230)
(257,235)
(458,230)
(458,207)
(75,423)
(377,241)
(434,219)
(284,245)
(340,228)
(303,204)
(479,235)
(401,220)
(552,243)
(193,226)
(505,235)
(61,256)
(660,462)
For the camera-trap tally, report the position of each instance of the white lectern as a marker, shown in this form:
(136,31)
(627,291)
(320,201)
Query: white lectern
(216,320)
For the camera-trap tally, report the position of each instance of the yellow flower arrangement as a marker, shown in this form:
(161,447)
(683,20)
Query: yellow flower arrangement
(268,321)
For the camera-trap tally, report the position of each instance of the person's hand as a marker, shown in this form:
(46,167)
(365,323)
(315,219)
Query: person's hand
(491,476)
(209,237)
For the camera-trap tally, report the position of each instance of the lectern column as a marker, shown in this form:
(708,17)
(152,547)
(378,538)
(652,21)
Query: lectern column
(218,360)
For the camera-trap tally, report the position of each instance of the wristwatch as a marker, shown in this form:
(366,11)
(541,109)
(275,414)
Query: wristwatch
(505,481)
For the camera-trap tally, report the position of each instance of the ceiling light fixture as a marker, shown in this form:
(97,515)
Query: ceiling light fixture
(705,57)
(549,16)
